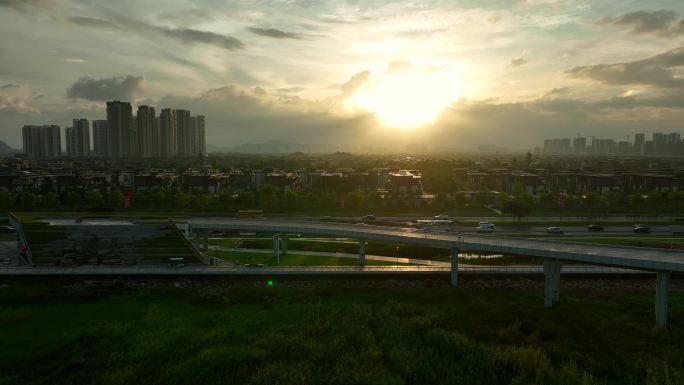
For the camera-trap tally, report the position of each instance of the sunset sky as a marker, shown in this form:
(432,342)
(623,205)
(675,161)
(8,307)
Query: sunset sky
(452,74)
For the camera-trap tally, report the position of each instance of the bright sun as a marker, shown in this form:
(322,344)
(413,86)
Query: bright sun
(409,97)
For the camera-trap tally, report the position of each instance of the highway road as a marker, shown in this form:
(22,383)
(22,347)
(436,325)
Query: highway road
(619,256)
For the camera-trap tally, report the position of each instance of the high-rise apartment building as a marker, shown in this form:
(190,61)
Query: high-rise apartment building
(639,140)
(42,141)
(70,141)
(147,133)
(119,122)
(101,139)
(579,145)
(201,136)
(82,138)
(167,129)
(184,133)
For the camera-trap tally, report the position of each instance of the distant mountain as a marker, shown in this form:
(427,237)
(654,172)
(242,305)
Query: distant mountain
(5,149)
(270,147)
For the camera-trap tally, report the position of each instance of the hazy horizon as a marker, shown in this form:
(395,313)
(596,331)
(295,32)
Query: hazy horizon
(452,75)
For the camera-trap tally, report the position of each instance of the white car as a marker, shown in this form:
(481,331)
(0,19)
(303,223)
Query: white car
(484,229)
(442,217)
(486,224)
(554,230)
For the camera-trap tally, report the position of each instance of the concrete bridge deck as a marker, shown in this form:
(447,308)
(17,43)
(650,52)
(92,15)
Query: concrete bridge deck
(661,261)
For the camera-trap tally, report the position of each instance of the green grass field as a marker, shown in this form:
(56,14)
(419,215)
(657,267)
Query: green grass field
(292,259)
(328,333)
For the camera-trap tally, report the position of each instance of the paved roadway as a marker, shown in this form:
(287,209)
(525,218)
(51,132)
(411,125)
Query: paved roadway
(618,256)
(266,271)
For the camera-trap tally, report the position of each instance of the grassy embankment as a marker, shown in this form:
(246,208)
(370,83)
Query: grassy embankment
(293,259)
(375,248)
(160,248)
(323,333)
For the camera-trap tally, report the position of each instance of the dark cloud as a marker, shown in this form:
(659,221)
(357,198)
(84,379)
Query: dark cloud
(122,88)
(519,61)
(275,33)
(26,5)
(183,35)
(238,115)
(354,83)
(658,71)
(662,22)
(193,36)
(8,86)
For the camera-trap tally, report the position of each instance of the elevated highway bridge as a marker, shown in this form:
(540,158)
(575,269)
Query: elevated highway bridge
(663,262)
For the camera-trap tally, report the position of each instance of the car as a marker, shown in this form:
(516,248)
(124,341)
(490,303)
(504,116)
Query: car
(442,217)
(641,229)
(594,228)
(369,217)
(484,229)
(7,229)
(486,224)
(554,230)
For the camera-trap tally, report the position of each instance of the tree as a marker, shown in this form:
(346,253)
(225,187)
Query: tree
(181,200)
(355,200)
(27,201)
(72,198)
(50,201)
(92,197)
(116,199)
(460,200)
(518,207)
(6,200)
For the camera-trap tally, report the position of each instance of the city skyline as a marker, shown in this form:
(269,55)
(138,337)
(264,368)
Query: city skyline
(121,135)
(457,74)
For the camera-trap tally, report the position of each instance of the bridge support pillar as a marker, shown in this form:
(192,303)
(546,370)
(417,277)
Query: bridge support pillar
(283,247)
(362,252)
(276,245)
(662,291)
(454,266)
(551,281)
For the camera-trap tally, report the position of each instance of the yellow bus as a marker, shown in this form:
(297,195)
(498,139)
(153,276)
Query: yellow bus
(250,213)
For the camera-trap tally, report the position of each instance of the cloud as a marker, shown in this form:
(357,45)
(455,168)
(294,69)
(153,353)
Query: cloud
(8,86)
(520,60)
(26,5)
(399,66)
(193,36)
(657,71)
(14,106)
(660,22)
(107,88)
(238,115)
(186,15)
(91,22)
(184,35)
(275,33)
(354,83)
